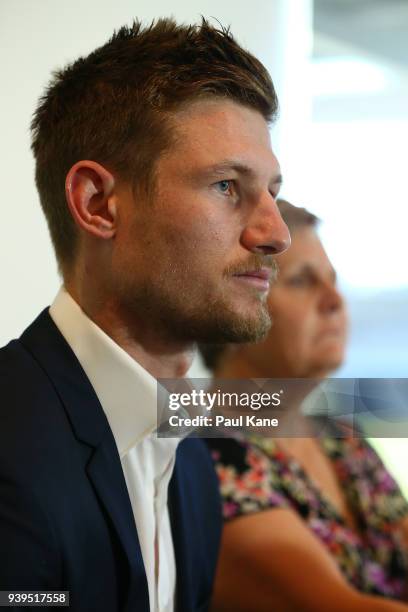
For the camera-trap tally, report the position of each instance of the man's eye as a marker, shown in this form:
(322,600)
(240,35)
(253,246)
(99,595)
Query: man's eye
(224,186)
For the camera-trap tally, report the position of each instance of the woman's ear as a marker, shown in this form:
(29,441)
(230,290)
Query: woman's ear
(89,190)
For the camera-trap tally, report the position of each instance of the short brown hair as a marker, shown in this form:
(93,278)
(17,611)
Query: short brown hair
(111,106)
(295,218)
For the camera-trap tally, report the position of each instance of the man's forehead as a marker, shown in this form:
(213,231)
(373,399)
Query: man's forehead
(209,114)
(224,135)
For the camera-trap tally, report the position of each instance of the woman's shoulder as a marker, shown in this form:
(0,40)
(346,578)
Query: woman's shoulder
(236,451)
(249,478)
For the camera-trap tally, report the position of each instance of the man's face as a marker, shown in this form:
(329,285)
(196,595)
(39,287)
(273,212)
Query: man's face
(197,260)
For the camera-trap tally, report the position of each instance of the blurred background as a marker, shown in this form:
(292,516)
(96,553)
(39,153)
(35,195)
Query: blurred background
(359,77)
(341,71)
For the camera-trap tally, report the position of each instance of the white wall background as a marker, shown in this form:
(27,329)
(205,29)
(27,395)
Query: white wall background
(40,35)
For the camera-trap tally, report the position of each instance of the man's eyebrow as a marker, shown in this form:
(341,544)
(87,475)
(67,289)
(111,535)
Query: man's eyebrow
(239,167)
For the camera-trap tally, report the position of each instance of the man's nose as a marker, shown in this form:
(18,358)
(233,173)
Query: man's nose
(265,231)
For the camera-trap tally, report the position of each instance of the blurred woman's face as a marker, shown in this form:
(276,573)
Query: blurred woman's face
(309,321)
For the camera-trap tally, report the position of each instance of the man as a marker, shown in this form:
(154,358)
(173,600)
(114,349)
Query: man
(158,182)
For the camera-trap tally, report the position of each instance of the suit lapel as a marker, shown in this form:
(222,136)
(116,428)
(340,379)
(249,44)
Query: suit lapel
(179,518)
(89,423)
(105,472)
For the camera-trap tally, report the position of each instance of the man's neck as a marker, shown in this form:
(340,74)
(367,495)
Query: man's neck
(158,353)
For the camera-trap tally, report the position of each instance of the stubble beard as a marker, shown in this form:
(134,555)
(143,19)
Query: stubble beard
(193,319)
(184,313)
(220,323)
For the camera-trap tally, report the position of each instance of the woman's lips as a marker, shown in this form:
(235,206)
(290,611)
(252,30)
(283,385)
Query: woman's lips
(334,333)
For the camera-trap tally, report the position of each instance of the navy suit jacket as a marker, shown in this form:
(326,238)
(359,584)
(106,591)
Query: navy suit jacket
(66,521)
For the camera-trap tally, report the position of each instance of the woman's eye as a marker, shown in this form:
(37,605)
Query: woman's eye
(296,281)
(300,281)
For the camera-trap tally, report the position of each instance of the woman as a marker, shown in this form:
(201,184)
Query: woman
(310,524)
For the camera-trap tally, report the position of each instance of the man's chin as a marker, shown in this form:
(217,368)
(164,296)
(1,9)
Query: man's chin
(233,328)
(250,331)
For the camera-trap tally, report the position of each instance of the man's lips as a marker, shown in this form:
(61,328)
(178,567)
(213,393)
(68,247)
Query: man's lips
(259,279)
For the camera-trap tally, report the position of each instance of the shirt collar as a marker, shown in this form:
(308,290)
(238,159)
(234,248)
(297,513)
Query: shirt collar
(126,391)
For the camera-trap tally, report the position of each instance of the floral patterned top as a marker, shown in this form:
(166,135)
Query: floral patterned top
(256,475)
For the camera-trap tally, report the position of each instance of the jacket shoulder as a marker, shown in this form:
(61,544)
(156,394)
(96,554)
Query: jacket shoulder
(25,388)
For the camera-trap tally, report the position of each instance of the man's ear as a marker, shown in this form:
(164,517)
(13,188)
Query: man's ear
(89,190)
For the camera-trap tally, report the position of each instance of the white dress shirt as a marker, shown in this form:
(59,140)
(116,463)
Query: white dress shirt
(127,393)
